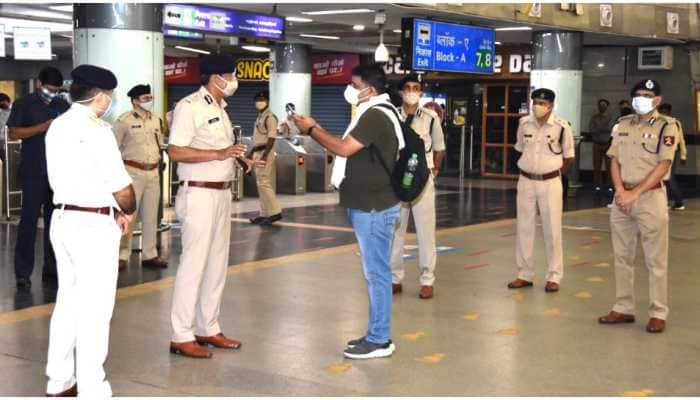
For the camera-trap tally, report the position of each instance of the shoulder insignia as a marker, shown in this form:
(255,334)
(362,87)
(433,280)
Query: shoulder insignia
(669,140)
(208,99)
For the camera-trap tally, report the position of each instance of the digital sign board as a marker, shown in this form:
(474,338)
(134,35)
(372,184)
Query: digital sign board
(442,46)
(222,21)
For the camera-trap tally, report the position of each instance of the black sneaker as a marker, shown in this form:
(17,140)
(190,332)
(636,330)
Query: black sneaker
(257,220)
(24,284)
(271,219)
(355,342)
(366,350)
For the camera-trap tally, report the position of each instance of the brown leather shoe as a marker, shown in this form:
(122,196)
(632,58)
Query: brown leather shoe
(123,264)
(396,288)
(220,341)
(551,287)
(656,325)
(189,349)
(155,262)
(616,318)
(70,392)
(426,292)
(519,283)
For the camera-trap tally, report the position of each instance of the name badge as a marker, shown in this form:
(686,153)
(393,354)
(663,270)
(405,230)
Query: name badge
(528,135)
(213,120)
(135,126)
(622,134)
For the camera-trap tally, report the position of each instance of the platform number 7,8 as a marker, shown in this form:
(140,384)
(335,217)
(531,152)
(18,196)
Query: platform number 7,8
(483,59)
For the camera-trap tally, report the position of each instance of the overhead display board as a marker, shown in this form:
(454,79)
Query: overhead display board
(32,43)
(223,21)
(442,46)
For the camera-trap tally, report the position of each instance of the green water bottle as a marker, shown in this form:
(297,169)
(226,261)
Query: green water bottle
(407,178)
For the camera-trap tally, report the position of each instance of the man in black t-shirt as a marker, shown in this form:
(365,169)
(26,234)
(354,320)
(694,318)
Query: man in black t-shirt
(367,194)
(29,120)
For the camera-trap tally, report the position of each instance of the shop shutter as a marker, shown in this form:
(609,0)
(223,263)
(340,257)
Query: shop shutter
(329,108)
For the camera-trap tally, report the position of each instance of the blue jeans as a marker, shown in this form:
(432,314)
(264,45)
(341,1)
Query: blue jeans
(375,233)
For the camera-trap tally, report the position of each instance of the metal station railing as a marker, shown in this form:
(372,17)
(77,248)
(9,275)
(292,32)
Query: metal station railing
(11,183)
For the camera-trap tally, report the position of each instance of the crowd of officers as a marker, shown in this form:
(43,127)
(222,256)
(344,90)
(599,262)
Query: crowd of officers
(86,174)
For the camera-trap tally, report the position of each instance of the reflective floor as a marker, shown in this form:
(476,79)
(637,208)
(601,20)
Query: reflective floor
(295,295)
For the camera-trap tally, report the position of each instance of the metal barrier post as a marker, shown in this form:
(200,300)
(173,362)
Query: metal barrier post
(461,154)
(471,148)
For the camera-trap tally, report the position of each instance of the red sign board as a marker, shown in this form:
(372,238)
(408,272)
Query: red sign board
(333,68)
(181,70)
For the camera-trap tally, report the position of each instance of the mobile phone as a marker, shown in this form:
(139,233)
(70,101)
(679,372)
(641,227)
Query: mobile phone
(291,110)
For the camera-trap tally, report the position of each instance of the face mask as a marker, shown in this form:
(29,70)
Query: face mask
(107,114)
(539,110)
(230,88)
(147,105)
(260,105)
(352,95)
(47,94)
(642,105)
(411,98)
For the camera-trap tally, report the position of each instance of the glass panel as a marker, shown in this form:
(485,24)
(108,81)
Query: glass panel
(513,157)
(494,160)
(495,129)
(517,99)
(496,99)
(513,123)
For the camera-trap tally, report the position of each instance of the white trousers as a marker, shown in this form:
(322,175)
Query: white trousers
(87,252)
(424,218)
(147,190)
(547,197)
(205,215)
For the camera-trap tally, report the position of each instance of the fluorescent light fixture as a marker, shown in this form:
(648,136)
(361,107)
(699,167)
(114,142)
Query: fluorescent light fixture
(397,31)
(358,28)
(514,28)
(11,23)
(381,54)
(256,49)
(29,12)
(319,36)
(498,43)
(62,7)
(341,11)
(601,65)
(192,50)
(298,19)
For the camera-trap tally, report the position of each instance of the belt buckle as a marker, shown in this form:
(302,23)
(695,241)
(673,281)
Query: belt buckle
(538,177)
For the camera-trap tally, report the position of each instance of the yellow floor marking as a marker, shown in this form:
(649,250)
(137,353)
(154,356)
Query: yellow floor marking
(304,226)
(552,312)
(508,332)
(594,279)
(339,368)
(602,265)
(638,393)
(431,358)
(471,317)
(574,258)
(517,296)
(412,336)
(583,295)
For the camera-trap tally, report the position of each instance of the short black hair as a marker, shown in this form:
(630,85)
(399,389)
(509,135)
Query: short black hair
(204,79)
(665,108)
(626,111)
(4,97)
(607,103)
(51,76)
(623,101)
(80,92)
(373,75)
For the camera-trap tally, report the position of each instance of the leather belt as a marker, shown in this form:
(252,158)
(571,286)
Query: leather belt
(145,167)
(96,210)
(540,177)
(207,185)
(630,186)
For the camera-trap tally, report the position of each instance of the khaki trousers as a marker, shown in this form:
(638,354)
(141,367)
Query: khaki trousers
(648,218)
(205,215)
(268,198)
(424,218)
(147,190)
(547,197)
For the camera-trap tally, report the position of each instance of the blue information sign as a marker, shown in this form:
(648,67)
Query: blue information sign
(218,20)
(441,46)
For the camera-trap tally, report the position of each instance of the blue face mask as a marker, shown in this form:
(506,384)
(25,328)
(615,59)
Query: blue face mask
(110,109)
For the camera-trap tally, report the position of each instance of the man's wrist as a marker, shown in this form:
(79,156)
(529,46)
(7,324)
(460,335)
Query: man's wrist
(308,133)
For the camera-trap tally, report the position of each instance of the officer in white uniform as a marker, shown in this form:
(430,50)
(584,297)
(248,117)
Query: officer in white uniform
(202,143)
(547,146)
(426,123)
(94,199)
(139,134)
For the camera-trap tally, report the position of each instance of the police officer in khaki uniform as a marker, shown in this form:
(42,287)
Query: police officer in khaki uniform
(202,143)
(642,152)
(426,123)
(547,146)
(139,134)
(264,140)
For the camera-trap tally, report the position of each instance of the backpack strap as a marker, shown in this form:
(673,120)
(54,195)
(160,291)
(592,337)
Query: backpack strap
(373,149)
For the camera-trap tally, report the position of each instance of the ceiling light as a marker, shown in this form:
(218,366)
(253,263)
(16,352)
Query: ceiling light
(298,19)
(381,55)
(341,11)
(498,43)
(11,23)
(193,50)
(397,31)
(256,49)
(514,28)
(319,36)
(358,27)
(601,65)
(64,7)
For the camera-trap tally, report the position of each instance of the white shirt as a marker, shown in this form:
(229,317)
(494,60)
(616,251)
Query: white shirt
(200,123)
(542,150)
(83,161)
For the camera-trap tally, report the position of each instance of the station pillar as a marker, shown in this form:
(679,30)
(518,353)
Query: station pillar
(290,78)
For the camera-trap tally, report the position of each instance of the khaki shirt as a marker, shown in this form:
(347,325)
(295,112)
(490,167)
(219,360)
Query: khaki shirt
(265,127)
(200,123)
(426,123)
(639,146)
(681,142)
(542,150)
(599,127)
(139,139)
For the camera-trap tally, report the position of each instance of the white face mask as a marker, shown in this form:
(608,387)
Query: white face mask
(260,105)
(147,105)
(642,105)
(410,98)
(230,88)
(352,95)
(110,109)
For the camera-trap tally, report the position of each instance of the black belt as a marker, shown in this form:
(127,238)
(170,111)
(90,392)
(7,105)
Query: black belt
(540,177)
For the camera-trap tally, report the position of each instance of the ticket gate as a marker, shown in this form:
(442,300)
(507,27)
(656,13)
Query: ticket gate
(291,167)
(319,163)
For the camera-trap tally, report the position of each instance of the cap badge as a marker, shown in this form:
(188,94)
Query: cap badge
(649,84)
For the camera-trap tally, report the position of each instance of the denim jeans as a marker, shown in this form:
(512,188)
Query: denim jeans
(375,233)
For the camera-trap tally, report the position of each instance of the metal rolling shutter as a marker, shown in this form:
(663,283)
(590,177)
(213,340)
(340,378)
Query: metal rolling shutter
(329,108)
